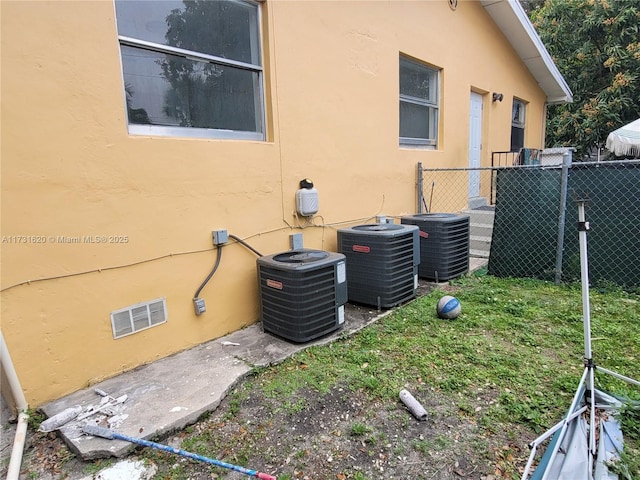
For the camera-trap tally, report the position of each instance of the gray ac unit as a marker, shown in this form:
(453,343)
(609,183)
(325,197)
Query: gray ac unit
(382,263)
(302,293)
(444,244)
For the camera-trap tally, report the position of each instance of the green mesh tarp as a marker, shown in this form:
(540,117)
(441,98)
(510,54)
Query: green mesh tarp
(529,212)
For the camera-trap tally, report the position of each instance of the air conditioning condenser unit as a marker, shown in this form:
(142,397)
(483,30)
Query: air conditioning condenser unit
(302,293)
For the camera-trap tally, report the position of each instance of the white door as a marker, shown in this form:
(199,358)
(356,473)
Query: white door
(475,144)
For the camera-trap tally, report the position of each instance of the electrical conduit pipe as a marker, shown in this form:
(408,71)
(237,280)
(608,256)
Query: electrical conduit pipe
(17,394)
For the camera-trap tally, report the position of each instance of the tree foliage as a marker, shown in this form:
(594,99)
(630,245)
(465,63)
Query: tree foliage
(596,46)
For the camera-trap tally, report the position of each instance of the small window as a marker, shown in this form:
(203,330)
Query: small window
(419,103)
(192,68)
(138,317)
(517,125)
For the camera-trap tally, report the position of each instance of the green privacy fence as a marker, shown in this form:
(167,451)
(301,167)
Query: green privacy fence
(536,214)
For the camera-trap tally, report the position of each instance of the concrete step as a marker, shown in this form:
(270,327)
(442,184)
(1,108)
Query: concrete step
(482,243)
(477,202)
(478,253)
(484,217)
(476,263)
(481,230)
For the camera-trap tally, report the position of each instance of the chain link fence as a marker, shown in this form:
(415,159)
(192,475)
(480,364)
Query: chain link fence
(533,229)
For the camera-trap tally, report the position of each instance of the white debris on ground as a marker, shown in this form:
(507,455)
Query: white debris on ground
(129,469)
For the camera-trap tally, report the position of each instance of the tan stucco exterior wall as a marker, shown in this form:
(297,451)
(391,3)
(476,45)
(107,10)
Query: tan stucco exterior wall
(69,169)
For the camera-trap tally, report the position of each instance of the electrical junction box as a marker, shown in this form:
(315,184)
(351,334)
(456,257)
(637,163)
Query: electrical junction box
(307,202)
(296,241)
(199,306)
(220,237)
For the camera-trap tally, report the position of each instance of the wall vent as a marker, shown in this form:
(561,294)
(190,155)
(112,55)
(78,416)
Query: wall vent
(138,317)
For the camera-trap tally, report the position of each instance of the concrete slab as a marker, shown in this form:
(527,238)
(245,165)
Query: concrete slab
(161,397)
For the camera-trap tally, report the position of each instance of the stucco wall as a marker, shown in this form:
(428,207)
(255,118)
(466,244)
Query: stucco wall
(70,169)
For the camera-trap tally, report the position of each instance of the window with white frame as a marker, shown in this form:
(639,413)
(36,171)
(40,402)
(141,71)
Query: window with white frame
(192,68)
(419,103)
(517,125)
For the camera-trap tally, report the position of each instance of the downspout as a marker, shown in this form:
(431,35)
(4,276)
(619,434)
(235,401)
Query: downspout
(17,394)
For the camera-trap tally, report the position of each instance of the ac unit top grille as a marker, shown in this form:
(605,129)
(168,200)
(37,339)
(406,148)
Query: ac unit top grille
(378,227)
(300,260)
(378,230)
(434,216)
(307,256)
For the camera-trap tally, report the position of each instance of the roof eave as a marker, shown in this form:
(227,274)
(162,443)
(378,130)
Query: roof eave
(514,23)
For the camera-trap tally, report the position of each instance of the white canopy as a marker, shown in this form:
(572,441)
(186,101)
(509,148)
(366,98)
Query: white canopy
(625,141)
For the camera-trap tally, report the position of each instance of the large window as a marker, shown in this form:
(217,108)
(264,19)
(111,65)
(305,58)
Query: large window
(419,103)
(192,68)
(517,125)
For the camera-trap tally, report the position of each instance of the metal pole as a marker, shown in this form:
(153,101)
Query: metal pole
(563,430)
(564,182)
(419,188)
(583,228)
(618,376)
(111,435)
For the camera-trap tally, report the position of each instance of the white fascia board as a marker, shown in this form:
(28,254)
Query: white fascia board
(514,23)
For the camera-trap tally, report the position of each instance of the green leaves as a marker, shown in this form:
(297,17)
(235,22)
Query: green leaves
(595,46)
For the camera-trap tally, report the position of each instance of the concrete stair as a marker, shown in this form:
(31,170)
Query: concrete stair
(481,230)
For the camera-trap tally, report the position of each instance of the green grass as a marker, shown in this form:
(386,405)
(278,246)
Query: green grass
(94,467)
(518,344)
(359,429)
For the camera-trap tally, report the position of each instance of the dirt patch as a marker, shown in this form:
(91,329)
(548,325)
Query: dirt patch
(340,434)
(344,435)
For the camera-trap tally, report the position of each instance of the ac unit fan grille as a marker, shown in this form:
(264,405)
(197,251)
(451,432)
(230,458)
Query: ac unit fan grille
(301,257)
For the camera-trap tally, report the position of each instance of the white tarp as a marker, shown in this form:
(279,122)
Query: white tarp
(571,460)
(625,141)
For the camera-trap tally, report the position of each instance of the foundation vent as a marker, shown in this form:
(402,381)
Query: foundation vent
(138,317)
